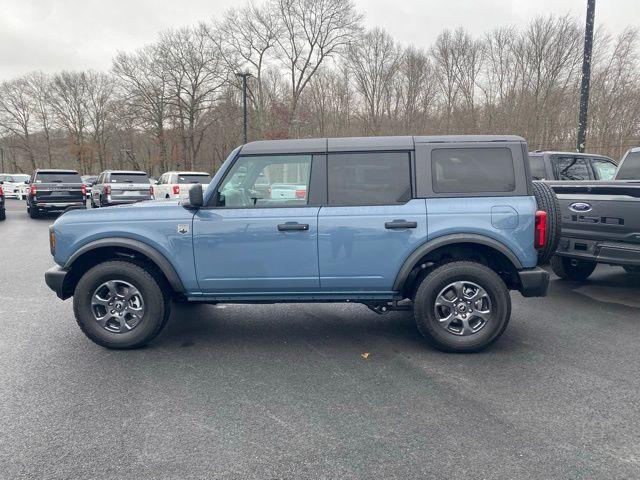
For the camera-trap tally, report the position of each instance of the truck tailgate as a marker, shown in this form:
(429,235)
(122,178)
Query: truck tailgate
(603,211)
(59,192)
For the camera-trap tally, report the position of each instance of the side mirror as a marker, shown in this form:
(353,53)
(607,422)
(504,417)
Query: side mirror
(196,198)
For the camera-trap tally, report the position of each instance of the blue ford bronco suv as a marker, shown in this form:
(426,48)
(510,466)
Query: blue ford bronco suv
(445,226)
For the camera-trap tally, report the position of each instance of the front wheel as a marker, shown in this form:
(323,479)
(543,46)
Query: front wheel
(118,304)
(572,268)
(462,307)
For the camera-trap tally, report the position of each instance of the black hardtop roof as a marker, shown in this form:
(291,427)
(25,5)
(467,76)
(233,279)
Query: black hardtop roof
(128,172)
(346,144)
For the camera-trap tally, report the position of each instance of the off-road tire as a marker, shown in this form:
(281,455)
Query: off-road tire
(424,308)
(153,290)
(547,200)
(571,268)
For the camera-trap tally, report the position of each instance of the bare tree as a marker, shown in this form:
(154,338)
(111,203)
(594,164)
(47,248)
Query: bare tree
(314,31)
(15,116)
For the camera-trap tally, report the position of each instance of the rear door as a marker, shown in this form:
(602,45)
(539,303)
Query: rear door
(58,187)
(246,242)
(371,222)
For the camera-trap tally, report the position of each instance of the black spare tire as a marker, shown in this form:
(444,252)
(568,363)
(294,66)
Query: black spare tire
(547,201)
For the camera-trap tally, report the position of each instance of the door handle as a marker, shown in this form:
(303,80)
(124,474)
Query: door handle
(399,224)
(291,226)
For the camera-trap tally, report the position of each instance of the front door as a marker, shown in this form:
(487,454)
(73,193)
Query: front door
(260,235)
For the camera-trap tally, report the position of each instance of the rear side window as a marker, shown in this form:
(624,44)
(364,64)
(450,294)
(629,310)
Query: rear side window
(58,177)
(536,167)
(630,168)
(571,168)
(182,179)
(472,170)
(129,178)
(374,178)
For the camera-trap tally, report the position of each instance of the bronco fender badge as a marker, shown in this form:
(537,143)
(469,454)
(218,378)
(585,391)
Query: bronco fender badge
(182,229)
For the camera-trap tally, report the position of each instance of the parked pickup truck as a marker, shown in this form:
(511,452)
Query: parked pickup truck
(55,191)
(449,223)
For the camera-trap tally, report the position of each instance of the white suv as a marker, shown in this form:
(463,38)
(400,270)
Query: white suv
(15,185)
(178,184)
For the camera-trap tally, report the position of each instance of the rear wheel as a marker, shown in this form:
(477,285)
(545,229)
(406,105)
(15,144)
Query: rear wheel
(462,307)
(572,268)
(632,269)
(3,215)
(547,201)
(118,304)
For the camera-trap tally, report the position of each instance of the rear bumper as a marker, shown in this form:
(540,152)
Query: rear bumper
(125,201)
(534,282)
(612,253)
(58,205)
(55,279)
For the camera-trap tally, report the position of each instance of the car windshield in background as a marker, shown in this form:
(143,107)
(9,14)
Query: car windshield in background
(129,178)
(58,177)
(630,168)
(17,178)
(182,179)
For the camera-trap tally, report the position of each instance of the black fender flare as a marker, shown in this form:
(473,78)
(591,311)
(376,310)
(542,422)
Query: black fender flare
(450,239)
(156,257)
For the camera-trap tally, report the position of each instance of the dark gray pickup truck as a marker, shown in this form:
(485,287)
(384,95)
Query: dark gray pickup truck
(600,222)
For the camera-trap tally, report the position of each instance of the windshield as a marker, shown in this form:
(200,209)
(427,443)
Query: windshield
(129,178)
(58,177)
(193,178)
(630,167)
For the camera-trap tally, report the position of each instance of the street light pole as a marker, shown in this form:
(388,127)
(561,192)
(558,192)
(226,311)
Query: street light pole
(244,76)
(586,76)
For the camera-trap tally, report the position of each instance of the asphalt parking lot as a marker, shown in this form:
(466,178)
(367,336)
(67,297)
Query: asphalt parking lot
(285,391)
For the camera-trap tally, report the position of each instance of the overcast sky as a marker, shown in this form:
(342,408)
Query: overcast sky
(53,35)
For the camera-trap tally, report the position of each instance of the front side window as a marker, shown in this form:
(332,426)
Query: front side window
(630,168)
(603,169)
(472,170)
(571,168)
(375,178)
(266,181)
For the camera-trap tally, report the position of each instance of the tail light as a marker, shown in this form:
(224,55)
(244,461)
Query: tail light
(269,191)
(176,189)
(1,191)
(107,189)
(151,190)
(52,240)
(301,193)
(34,190)
(540,236)
(84,190)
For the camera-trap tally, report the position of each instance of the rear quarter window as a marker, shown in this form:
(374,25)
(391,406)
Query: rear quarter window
(472,170)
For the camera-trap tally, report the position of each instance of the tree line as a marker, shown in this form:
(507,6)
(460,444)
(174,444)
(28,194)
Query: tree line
(316,72)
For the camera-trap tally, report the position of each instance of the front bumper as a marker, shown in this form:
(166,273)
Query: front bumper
(55,278)
(534,282)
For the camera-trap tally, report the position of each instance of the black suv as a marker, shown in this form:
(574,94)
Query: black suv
(570,166)
(55,191)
